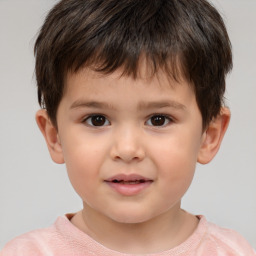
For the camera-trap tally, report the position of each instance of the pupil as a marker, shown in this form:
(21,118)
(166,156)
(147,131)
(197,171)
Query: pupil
(158,120)
(98,120)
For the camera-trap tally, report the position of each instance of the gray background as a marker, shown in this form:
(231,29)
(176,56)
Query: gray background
(34,190)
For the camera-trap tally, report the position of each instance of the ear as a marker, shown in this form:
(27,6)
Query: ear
(51,136)
(212,136)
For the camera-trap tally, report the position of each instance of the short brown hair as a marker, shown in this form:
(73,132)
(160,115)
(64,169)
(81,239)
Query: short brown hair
(186,35)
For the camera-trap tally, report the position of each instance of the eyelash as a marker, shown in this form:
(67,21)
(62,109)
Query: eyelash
(167,119)
(103,120)
(88,120)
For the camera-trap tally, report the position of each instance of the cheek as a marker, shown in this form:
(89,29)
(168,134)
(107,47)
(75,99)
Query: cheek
(176,160)
(81,153)
(176,173)
(83,164)
(176,152)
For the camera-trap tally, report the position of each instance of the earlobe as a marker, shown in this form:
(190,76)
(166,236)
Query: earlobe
(51,136)
(212,137)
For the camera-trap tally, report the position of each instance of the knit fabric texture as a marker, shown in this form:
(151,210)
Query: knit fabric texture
(64,239)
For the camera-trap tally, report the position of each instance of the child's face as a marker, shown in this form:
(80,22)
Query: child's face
(130,146)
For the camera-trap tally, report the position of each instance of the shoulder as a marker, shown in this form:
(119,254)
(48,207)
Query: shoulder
(38,242)
(227,241)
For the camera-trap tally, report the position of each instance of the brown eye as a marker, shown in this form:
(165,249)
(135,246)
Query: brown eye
(97,120)
(158,120)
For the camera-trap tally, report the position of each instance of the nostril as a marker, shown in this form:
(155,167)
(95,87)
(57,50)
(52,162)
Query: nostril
(127,150)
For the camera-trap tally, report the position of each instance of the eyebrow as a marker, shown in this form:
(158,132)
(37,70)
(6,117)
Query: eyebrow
(141,105)
(90,104)
(161,104)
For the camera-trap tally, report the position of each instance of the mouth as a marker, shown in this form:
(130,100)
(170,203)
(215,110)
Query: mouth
(129,185)
(128,179)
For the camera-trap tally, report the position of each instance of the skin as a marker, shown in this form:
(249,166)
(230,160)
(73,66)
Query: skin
(128,141)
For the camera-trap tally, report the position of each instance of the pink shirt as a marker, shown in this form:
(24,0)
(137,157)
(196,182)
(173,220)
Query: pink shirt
(64,239)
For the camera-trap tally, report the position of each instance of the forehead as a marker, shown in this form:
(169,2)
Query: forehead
(87,88)
(145,68)
(87,78)
(170,74)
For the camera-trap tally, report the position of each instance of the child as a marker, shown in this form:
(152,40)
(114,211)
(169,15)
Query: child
(132,98)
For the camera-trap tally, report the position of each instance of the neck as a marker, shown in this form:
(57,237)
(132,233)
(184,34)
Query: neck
(159,234)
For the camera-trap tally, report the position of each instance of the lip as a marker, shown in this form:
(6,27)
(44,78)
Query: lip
(129,185)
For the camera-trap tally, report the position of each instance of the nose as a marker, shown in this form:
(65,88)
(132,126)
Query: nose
(127,145)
